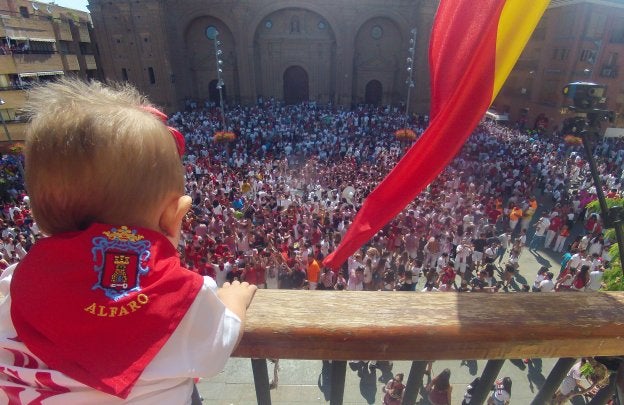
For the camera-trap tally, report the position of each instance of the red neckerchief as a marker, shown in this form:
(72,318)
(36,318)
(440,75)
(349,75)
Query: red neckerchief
(99,304)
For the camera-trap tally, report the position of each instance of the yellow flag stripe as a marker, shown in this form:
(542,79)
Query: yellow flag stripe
(515,26)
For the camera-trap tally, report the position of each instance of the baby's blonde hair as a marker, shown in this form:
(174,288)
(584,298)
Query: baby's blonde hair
(94,155)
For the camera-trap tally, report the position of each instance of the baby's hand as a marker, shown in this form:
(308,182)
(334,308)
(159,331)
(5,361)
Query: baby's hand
(237,296)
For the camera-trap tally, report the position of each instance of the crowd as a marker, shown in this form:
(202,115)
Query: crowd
(269,206)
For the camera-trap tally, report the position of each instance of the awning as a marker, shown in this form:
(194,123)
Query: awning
(18,38)
(42,39)
(614,133)
(496,117)
(53,73)
(27,74)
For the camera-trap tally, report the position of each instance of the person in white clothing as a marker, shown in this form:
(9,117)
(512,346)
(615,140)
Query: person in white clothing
(572,384)
(106,184)
(547,285)
(595,279)
(502,392)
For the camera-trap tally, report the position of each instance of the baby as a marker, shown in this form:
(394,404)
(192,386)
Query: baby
(101,311)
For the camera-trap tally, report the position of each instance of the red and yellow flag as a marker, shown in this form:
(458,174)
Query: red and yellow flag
(474,45)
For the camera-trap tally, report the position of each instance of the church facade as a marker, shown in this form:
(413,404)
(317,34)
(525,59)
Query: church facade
(346,52)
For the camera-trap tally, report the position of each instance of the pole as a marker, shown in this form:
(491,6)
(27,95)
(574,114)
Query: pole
(410,71)
(553,381)
(604,208)
(220,83)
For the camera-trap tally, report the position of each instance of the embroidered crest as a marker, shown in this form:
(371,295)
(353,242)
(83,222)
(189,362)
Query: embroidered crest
(120,259)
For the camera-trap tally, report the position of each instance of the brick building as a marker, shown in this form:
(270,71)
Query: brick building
(351,51)
(39,42)
(576,40)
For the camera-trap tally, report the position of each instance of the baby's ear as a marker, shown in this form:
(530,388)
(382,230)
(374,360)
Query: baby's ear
(171,217)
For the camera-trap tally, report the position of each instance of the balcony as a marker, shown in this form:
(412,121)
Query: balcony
(343,325)
(7,64)
(63,30)
(83,33)
(37,62)
(90,62)
(35,26)
(71,62)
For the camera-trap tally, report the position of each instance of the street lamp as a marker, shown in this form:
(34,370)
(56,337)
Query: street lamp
(220,82)
(410,69)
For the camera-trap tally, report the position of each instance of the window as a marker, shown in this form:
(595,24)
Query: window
(564,22)
(24,12)
(617,34)
(561,53)
(41,47)
(612,59)
(540,31)
(588,55)
(86,48)
(564,54)
(64,47)
(152,78)
(596,26)
(124,74)
(549,92)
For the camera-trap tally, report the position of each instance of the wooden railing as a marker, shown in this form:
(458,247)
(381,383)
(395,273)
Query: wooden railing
(343,325)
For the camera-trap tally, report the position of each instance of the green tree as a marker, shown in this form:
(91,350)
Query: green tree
(613,278)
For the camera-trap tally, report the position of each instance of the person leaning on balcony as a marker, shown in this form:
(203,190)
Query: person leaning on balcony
(439,390)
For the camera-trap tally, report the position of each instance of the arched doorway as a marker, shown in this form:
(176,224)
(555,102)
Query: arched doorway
(296,86)
(213,93)
(373,93)
(293,36)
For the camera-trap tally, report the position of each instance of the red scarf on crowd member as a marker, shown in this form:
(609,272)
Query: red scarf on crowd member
(99,304)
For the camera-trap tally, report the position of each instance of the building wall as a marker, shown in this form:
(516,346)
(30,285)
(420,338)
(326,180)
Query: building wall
(340,46)
(575,41)
(39,42)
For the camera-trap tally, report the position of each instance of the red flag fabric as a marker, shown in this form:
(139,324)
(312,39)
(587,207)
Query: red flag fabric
(464,55)
(119,293)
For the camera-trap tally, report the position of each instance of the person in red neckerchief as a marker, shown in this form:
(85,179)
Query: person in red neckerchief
(106,184)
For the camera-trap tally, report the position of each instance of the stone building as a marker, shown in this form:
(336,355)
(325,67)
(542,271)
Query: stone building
(345,52)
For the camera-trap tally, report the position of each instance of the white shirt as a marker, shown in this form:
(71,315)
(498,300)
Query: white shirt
(199,347)
(570,381)
(547,286)
(542,226)
(595,280)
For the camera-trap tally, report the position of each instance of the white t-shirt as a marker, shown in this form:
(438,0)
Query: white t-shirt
(547,286)
(595,280)
(500,393)
(542,226)
(570,381)
(199,347)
